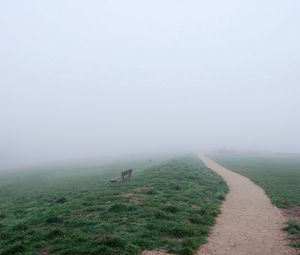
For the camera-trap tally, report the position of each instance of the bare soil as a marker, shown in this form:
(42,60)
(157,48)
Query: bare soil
(249,224)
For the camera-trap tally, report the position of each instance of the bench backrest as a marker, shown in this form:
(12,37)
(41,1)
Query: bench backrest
(126,173)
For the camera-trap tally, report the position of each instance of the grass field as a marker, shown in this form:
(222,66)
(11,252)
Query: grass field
(169,206)
(277,174)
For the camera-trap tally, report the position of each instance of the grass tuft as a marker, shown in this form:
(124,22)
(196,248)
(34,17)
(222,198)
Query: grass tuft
(132,249)
(61,200)
(55,232)
(13,249)
(292,227)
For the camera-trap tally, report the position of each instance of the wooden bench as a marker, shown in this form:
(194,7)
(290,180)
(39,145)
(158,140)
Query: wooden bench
(124,175)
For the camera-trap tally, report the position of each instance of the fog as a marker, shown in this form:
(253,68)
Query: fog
(88,79)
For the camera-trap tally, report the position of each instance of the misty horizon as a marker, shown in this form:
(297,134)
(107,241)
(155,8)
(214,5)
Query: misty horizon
(103,79)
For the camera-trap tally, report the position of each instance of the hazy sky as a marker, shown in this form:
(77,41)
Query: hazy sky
(88,78)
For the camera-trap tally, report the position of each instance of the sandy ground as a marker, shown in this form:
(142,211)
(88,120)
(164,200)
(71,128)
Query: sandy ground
(249,224)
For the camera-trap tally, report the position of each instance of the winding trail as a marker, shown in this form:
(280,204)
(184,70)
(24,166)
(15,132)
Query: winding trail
(249,224)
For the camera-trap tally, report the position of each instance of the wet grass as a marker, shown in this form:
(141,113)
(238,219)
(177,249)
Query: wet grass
(293,228)
(277,174)
(169,206)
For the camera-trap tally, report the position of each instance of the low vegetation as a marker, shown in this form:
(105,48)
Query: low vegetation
(278,175)
(170,206)
(293,228)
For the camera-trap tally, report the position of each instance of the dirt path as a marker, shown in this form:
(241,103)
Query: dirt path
(249,223)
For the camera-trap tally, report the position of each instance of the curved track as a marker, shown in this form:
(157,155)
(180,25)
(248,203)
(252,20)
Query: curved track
(249,224)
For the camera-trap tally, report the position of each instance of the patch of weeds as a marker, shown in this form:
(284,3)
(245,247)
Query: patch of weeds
(39,245)
(195,219)
(174,186)
(21,226)
(132,249)
(13,249)
(55,232)
(292,227)
(171,208)
(4,235)
(186,251)
(204,211)
(61,200)
(53,220)
(220,196)
(112,241)
(121,207)
(202,229)
(214,212)
(151,192)
(189,243)
(2,216)
(103,250)
(159,214)
(178,231)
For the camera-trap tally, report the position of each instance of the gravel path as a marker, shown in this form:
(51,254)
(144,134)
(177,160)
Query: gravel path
(249,224)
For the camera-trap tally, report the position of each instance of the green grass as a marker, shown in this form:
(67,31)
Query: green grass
(293,228)
(169,206)
(277,174)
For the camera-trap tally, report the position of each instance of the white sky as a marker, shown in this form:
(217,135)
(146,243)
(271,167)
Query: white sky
(88,78)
